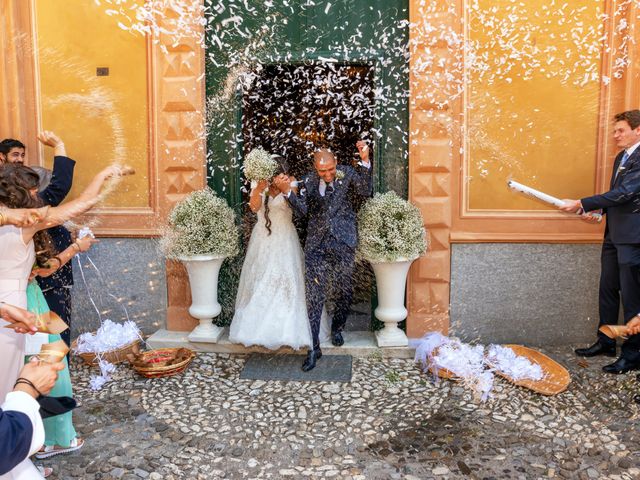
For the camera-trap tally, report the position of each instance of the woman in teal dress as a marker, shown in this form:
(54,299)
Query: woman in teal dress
(60,436)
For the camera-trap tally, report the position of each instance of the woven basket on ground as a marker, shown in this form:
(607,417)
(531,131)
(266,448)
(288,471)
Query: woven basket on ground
(116,356)
(153,363)
(556,378)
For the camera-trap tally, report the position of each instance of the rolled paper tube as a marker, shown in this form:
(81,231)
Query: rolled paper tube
(55,324)
(614,331)
(51,357)
(58,346)
(543,197)
(53,352)
(48,322)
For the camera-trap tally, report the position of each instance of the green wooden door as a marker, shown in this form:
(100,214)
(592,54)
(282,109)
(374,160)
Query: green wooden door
(372,32)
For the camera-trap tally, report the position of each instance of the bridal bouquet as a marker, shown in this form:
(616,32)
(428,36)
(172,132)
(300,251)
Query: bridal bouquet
(259,165)
(390,229)
(201,224)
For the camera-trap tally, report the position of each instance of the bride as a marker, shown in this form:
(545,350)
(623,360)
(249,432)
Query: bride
(271,309)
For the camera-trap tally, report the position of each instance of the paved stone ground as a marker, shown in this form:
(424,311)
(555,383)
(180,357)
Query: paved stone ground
(390,422)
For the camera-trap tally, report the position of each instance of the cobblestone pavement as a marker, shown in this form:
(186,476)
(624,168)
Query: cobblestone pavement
(390,422)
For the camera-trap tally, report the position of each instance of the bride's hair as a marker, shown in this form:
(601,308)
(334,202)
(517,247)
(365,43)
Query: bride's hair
(17,181)
(282,168)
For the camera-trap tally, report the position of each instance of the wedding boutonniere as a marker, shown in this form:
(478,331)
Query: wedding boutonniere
(339,174)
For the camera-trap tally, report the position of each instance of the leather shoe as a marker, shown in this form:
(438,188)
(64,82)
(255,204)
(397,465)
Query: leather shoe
(597,349)
(312,357)
(622,365)
(336,339)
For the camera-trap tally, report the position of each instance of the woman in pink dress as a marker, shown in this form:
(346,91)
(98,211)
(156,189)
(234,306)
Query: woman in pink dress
(21,248)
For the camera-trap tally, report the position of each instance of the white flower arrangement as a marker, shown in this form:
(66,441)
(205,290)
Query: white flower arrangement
(390,229)
(201,224)
(339,174)
(259,165)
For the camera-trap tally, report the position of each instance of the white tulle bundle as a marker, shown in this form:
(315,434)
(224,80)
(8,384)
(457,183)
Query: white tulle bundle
(467,363)
(110,336)
(470,364)
(461,359)
(506,361)
(106,369)
(426,346)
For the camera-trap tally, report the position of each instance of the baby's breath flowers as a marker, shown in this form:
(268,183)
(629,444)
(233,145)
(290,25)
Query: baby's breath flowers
(259,165)
(201,224)
(390,229)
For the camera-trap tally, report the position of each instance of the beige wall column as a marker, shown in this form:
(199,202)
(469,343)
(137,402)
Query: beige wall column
(431,146)
(18,112)
(181,141)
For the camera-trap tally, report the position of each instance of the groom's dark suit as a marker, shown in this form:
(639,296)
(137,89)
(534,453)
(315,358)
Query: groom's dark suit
(331,242)
(620,258)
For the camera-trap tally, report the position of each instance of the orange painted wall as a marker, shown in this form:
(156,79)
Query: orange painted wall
(102,119)
(532,117)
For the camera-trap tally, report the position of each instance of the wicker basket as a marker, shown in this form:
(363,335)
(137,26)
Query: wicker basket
(556,378)
(162,355)
(112,356)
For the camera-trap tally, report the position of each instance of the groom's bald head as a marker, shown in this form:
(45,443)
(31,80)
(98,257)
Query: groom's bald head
(325,163)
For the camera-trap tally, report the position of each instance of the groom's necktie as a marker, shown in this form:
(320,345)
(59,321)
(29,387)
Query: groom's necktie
(329,189)
(625,157)
(325,188)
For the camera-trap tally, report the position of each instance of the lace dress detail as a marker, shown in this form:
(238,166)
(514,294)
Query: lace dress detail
(270,306)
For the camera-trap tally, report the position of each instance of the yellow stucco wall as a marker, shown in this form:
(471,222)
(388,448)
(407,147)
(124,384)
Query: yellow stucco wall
(533,115)
(102,119)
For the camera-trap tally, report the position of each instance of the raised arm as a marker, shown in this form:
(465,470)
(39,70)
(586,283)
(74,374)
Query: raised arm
(363,176)
(83,203)
(255,197)
(62,176)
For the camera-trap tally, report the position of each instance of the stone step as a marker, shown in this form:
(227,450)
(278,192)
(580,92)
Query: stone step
(357,344)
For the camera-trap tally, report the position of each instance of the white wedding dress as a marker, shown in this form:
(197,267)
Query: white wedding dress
(271,308)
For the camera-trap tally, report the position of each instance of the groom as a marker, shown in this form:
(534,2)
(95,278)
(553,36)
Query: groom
(324,198)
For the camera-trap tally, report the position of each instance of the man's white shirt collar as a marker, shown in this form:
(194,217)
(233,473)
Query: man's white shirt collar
(632,148)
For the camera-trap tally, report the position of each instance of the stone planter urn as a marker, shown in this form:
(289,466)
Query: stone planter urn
(391,280)
(203,279)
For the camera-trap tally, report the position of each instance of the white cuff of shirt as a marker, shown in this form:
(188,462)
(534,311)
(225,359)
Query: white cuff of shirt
(365,165)
(25,403)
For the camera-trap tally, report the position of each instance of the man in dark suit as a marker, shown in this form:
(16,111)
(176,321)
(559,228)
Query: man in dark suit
(57,287)
(620,259)
(325,199)
(54,187)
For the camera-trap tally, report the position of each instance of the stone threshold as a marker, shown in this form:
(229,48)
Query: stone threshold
(356,344)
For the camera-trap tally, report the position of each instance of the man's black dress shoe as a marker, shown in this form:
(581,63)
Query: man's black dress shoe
(312,357)
(336,339)
(622,365)
(597,349)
